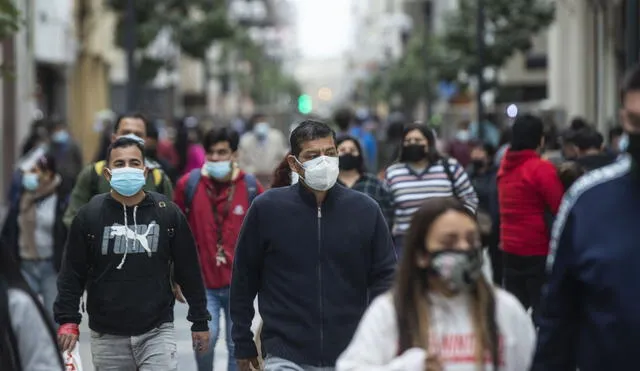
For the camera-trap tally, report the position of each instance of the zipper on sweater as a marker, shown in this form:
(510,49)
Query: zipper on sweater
(320,285)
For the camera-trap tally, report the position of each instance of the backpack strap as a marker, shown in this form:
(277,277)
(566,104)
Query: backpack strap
(164,214)
(447,170)
(158,177)
(98,167)
(252,187)
(190,189)
(10,348)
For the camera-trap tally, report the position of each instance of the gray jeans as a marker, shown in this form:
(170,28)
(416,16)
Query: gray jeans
(152,351)
(278,364)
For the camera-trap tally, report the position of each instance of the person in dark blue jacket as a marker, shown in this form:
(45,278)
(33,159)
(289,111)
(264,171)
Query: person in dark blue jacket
(590,313)
(316,253)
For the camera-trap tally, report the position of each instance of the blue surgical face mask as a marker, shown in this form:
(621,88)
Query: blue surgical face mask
(261,129)
(60,137)
(623,144)
(127,181)
(218,169)
(30,181)
(463,135)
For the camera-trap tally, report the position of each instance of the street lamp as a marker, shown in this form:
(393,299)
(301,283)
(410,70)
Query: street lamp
(480,34)
(130,44)
(425,51)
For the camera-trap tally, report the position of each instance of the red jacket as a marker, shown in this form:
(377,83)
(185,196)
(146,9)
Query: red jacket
(528,187)
(204,228)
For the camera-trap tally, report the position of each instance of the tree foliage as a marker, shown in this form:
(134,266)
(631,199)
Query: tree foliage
(510,27)
(266,80)
(415,74)
(10,20)
(194,25)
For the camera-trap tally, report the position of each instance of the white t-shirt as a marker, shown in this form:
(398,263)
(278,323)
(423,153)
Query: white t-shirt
(374,346)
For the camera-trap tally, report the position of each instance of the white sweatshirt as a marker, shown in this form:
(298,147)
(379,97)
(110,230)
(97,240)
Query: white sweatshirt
(374,346)
(38,350)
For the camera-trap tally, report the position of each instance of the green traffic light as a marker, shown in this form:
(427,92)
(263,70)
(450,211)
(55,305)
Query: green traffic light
(305,105)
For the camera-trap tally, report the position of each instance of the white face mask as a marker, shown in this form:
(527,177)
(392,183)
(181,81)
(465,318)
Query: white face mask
(321,173)
(294,178)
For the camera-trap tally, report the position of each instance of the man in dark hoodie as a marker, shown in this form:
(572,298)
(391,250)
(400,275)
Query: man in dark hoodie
(316,254)
(589,314)
(591,151)
(529,193)
(126,269)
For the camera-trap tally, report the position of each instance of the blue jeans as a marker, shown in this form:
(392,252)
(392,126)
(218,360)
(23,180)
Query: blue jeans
(217,301)
(41,276)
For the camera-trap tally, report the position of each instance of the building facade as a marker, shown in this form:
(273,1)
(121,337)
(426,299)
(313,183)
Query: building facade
(88,80)
(40,58)
(587,58)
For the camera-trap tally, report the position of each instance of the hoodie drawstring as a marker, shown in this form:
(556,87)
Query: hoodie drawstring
(126,237)
(135,232)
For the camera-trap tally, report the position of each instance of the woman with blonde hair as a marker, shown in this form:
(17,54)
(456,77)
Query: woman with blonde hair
(442,314)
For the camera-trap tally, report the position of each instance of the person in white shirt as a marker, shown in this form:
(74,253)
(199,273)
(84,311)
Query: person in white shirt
(261,149)
(442,314)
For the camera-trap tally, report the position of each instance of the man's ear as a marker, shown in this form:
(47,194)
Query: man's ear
(113,137)
(293,165)
(106,173)
(146,172)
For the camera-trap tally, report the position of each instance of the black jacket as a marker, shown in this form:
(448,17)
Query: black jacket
(485,185)
(10,234)
(315,270)
(138,297)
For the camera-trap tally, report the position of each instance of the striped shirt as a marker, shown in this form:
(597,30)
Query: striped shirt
(410,189)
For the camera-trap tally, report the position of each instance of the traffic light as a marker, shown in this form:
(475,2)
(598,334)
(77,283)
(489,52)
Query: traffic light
(305,105)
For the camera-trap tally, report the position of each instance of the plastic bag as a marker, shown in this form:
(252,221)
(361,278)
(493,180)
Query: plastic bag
(71,358)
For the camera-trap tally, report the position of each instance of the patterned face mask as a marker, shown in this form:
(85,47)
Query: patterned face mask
(458,269)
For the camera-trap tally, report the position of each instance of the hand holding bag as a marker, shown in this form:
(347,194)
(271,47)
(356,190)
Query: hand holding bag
(72,361)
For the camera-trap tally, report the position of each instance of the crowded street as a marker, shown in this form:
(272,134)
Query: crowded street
(319,185)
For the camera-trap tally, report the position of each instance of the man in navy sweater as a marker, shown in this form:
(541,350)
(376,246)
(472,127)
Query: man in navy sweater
(315,253)
(590,314)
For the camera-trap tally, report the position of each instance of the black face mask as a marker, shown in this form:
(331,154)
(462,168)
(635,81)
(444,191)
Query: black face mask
(413,153)
(350,162)
(478,164)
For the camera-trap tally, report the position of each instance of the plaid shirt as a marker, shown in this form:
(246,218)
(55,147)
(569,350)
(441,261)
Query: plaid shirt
(376,189)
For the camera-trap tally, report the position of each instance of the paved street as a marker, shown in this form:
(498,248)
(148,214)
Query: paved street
(186,359)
